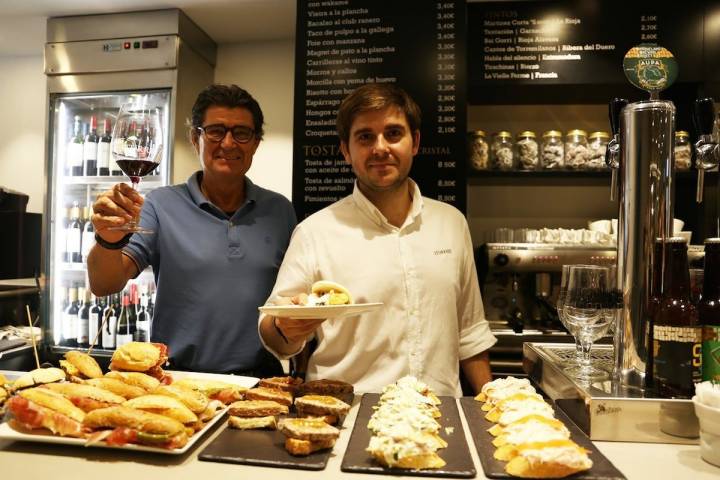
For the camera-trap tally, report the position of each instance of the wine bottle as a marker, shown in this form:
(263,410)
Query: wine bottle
(90,149)
(108,333)
(73,235)
(83,324)
(142,333)
(123,334)
(74,153)
(114,167)
(709,312)
(134,305)
(95,319)
(70,320)
(88,234)
(103,154)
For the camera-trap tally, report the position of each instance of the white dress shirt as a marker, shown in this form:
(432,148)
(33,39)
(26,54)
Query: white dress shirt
(423,272)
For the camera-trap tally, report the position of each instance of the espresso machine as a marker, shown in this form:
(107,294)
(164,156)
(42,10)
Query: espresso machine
(624,406)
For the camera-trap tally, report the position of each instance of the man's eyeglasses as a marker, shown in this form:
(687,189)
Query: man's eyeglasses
(216,133)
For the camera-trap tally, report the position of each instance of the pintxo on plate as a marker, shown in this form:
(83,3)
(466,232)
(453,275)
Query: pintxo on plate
(527,435)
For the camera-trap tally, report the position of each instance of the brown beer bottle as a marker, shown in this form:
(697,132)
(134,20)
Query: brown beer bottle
(655,296)
(709,311)
(677,334)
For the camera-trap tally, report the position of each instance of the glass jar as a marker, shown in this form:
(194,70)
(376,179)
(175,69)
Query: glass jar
(597,146)
(683,150)
(576,149)
(526,147)
(553,151)
(478,150)
(502,151)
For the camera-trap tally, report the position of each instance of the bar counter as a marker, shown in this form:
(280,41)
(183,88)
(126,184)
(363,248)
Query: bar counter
(23,460)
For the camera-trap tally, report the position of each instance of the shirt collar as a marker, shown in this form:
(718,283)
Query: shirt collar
(193,184)
(366,206)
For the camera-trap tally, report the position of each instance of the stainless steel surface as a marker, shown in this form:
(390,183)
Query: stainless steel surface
(98,56)
(647,131)
(120,26)
(546,257)
(607,410)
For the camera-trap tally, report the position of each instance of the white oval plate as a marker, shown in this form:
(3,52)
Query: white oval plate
(327,311)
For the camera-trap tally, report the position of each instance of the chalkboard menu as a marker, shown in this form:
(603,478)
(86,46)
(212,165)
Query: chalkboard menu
(573,43)
(342,44)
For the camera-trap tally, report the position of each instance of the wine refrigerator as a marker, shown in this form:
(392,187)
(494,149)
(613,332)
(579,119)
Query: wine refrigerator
(93,65)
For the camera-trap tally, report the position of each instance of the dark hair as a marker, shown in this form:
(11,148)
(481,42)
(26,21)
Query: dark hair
(375,96)
(230,96)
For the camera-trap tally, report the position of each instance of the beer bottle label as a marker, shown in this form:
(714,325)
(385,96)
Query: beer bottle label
(711,353)
(677,358)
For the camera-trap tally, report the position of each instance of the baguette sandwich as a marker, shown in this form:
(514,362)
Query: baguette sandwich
(307,435)
(79,365)
(165,406)
(39,376)
(195,400)
(328,408)
(116,386)
(214,389)
(37,408)
(85,397)
(141,357)
(136,379)
(122,425)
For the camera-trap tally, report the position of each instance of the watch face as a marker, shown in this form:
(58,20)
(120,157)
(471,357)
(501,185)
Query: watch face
(650,67)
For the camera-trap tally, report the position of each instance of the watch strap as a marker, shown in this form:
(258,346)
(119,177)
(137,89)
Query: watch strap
(113,245)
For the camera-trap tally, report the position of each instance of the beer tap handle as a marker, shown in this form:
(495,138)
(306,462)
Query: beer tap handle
(612,154)
(703,118)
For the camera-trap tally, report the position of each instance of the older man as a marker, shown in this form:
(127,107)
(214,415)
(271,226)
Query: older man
(218,243)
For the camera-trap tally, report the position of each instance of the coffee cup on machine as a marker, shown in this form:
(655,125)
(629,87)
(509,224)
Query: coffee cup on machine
(678,226)
(603,226)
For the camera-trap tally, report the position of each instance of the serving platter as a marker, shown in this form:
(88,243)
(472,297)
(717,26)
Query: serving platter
(602,468)
(261,447)
(326,311)
(11,431)
(456,454)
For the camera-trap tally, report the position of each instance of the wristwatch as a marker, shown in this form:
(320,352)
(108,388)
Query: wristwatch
(113,246)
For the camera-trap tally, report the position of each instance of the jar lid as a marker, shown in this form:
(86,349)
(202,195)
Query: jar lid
(504,133)
(526,133)
(599,135)
(577,132)
(552,133)
(477,133)
(675,240)
(682,133)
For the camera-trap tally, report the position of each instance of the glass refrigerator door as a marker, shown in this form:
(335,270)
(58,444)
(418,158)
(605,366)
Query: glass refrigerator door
(81,129)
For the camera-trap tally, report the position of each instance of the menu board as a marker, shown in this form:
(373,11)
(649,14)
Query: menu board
(342,44)
(566,43)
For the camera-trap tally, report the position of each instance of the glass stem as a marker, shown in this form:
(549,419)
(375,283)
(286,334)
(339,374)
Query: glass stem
(136,218)
(578,349)
(586,346)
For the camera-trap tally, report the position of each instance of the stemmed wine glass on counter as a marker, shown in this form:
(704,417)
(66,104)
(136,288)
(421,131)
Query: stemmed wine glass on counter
(591,305)
(137,146)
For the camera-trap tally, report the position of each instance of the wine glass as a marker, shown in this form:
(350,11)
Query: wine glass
(137,146)
(587,308)
(560,306)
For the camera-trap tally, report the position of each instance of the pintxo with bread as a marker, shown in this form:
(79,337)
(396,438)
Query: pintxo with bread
(527,435)
(135,403)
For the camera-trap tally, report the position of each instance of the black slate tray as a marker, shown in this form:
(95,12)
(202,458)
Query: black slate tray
(457,455)
(602,468)
(260,447)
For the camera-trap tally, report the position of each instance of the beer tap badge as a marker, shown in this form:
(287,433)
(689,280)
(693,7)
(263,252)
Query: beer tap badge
(650,67)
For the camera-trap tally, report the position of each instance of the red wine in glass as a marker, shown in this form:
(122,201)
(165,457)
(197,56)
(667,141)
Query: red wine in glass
(137,150)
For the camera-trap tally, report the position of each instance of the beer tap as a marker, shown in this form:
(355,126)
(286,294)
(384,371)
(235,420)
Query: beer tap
(707,150)
(612,154)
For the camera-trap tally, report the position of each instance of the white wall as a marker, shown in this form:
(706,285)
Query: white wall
(22,123)
(267,71)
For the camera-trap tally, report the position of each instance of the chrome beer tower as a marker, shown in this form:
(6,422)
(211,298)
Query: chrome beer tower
(641,157)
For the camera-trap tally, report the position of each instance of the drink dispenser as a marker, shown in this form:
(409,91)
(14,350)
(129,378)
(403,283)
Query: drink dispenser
(643,134)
